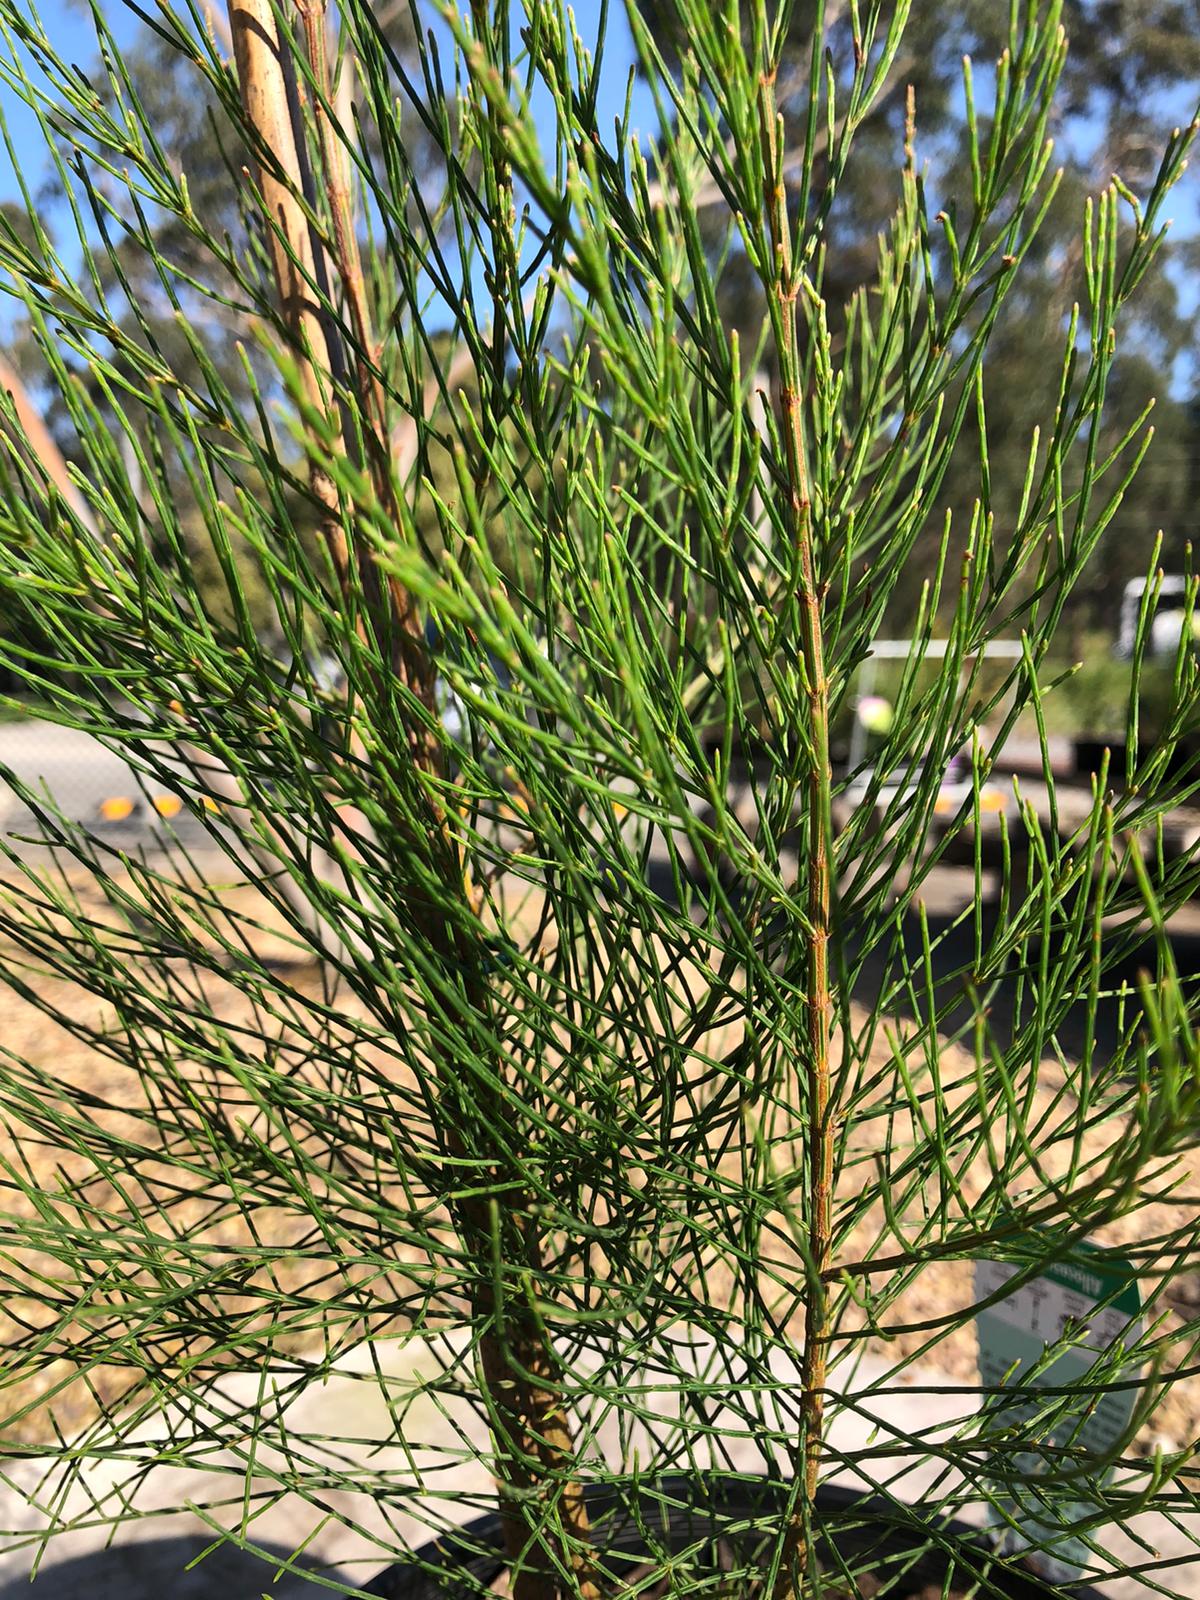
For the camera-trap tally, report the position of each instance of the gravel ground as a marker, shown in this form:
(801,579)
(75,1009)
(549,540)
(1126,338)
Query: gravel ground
(54,1400)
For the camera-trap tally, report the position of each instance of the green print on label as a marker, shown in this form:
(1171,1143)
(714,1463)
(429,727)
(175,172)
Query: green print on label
(1087,1306)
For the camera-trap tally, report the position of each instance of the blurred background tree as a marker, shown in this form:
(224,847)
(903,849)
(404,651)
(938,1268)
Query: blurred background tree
(1133,72)
(1133,68)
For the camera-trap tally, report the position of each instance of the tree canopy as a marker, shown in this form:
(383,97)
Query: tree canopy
(1132,72)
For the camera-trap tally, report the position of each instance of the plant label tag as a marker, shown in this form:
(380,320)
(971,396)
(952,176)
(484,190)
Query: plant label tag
(1088,1306)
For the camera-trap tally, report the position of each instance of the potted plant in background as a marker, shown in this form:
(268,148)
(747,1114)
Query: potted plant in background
(462,1039)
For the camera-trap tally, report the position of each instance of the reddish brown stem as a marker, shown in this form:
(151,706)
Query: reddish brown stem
(796,1555)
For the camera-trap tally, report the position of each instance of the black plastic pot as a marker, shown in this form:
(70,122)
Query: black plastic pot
(677,1512)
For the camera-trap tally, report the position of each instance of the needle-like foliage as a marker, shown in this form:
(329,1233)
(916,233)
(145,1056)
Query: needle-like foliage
(475,1035)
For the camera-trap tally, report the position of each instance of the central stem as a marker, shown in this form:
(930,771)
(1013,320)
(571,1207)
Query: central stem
(545,1516)
(818,1163)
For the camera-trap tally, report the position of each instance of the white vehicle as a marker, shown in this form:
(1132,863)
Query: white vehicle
(1167,624)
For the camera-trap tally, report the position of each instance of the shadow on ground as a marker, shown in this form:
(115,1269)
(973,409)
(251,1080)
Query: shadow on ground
(1126,959)
(947,893)
(154,1569)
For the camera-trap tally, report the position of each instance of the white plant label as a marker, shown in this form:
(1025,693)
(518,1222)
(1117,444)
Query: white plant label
(1089,1305)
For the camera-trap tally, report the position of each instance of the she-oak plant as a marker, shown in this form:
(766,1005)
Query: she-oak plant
(567,1113)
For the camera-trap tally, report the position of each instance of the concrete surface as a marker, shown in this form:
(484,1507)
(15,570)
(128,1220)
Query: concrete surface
(347,1536)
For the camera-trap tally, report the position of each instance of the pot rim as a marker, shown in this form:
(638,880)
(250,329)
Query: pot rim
(480,1541)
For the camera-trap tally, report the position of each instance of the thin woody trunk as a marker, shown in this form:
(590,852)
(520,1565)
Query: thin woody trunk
(796,1554)
(409,656)
(270,98)
(263,79)
(535,1449)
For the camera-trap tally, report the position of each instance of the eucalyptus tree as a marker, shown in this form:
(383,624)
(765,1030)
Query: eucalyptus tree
(563,1115)
(1131,71)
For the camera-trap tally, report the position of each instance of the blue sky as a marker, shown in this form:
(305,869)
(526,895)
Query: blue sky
(69,26)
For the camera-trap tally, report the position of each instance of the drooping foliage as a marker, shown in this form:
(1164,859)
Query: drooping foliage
(470,1038)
